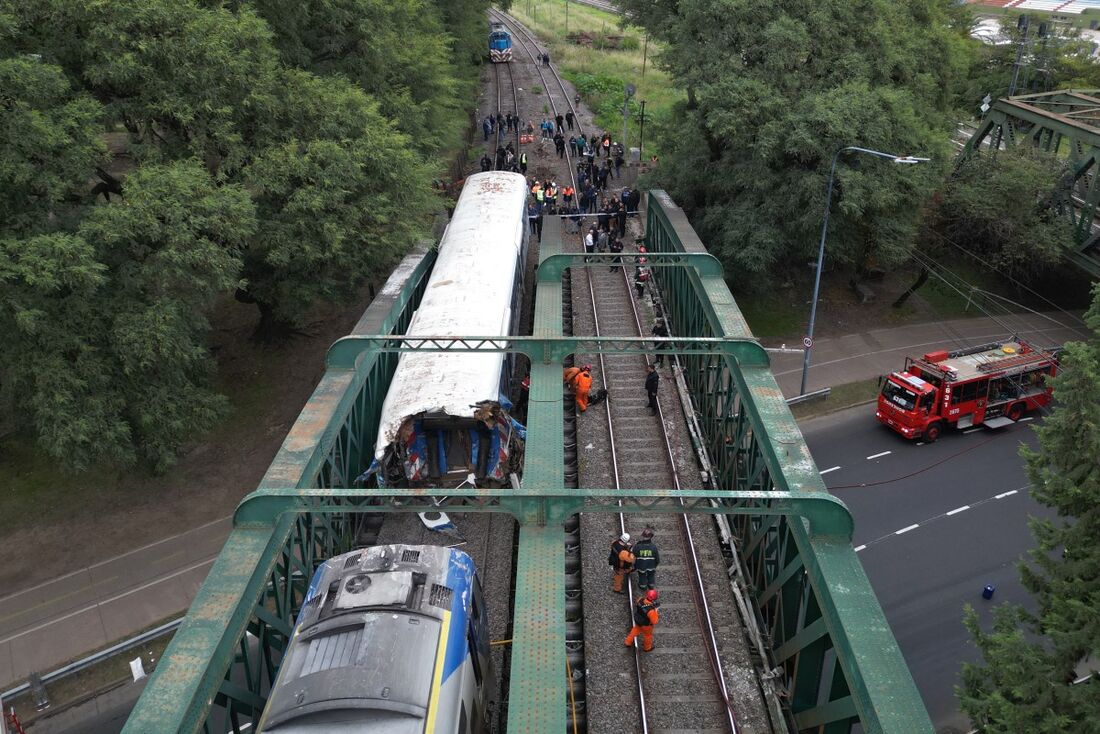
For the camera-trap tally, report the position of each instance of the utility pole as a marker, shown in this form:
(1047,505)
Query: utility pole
(641,132)
(567,18)
(628,92)
(1022,26)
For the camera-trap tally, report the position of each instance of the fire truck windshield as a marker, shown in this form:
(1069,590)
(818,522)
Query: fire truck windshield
(900,396)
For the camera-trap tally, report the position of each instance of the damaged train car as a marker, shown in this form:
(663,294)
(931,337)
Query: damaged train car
(445,420)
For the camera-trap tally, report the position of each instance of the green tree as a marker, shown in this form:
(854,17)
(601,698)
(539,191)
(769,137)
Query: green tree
(340,195)
(109,323)
(1025,681)
(397,52)
(773,91)
(190,81)
(49,145)
(1007,208)
(183,80)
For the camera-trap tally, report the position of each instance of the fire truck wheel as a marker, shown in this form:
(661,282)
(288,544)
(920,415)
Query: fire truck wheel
(933,431)
(1016,412)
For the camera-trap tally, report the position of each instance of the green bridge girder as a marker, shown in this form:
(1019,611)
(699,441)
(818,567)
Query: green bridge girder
(827,632)
(1064,121)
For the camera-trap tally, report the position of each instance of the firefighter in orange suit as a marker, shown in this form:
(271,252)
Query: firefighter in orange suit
(569,376)
(645,619)
(582,384)
(621,560)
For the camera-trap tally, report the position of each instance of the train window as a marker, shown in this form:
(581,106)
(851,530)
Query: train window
(475,659)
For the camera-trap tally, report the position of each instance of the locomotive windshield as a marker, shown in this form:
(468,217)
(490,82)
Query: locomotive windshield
(900,396)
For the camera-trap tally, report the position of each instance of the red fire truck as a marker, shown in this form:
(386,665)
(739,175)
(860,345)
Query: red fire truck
(991,385)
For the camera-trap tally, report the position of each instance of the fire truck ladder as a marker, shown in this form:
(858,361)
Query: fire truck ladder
(1008,362)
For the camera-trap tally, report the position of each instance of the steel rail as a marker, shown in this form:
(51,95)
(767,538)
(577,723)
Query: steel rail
(622,518)
(508,20)
(642,710)
(701,604)
(557,77)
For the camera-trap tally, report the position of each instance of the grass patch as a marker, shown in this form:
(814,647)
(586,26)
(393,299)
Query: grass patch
(37,487)
(600,72)
(771,314)
(950,303)
(840,397)
(535,89)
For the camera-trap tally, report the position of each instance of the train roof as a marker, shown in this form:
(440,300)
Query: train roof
(469,293)
(362,652)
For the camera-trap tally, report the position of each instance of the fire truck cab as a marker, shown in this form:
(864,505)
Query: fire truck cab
(991,385)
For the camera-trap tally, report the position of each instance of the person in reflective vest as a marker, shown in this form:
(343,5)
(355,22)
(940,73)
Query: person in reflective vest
(621,560)
(645,619)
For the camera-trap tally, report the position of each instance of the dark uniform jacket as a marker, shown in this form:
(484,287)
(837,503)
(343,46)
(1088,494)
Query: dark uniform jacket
(645,612)
(646,556)
(651,381)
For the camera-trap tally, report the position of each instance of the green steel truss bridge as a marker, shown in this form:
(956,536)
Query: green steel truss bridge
(838,657)
(1065,123)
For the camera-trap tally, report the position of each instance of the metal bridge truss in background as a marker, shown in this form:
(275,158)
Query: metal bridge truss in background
(1048,121)
(827,633)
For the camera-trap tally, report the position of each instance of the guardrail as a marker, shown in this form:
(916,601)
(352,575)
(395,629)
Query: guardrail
(810,396)
(97,657)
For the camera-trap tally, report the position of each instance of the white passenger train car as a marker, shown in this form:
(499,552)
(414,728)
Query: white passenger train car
(446,416)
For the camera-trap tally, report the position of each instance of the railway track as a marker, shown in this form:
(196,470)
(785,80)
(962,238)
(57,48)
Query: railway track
(501,110)
(680,685)
(695,695)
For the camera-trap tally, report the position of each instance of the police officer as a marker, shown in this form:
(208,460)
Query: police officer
(646,560)
(645,619)
(621,560)
(652,385)
(660,329)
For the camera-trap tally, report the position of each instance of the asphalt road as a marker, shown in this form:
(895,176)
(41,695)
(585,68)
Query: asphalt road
(934,523)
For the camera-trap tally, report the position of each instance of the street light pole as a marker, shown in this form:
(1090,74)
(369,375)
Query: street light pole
(808,341)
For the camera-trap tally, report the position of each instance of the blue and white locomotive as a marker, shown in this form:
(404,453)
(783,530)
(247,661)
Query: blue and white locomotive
(445,420)
(393,639)
(500,43)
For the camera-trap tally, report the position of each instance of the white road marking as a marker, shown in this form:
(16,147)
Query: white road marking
(920,443)
(971,430)
(1028,418)
(116,597)
(859,548)
(930,520)
(875,456)
(826,471)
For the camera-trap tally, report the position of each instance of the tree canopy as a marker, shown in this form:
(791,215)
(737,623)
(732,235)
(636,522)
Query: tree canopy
(160,155)
(1007,208)
(774,90)
(1030,660)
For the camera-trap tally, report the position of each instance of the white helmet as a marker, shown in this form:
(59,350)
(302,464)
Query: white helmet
(624,538)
